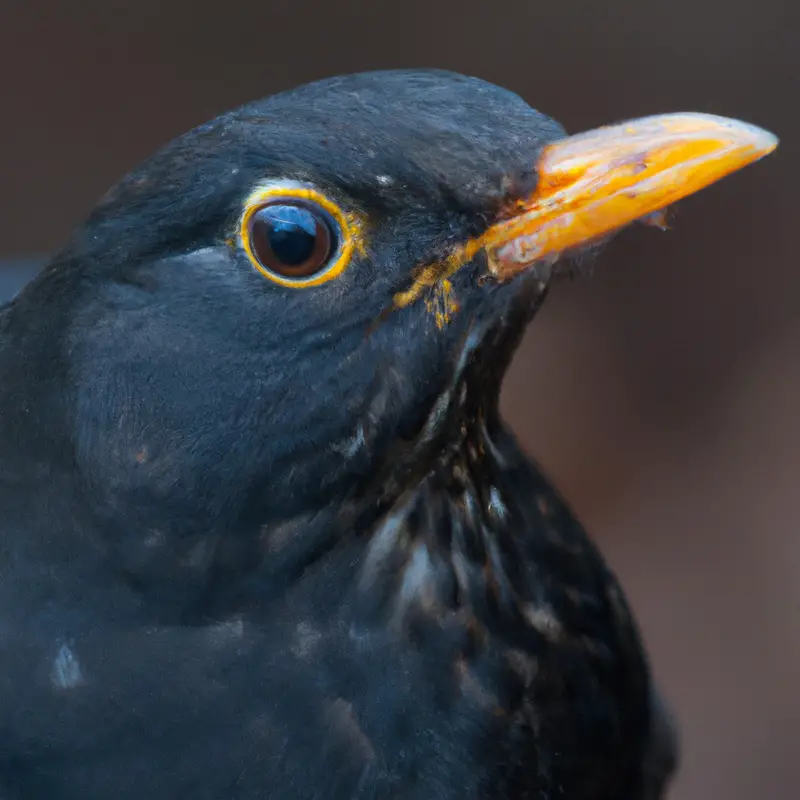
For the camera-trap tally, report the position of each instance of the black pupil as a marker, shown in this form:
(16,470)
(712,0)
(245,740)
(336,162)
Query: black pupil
(291,232)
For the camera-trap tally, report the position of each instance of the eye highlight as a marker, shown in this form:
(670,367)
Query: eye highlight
(297,237)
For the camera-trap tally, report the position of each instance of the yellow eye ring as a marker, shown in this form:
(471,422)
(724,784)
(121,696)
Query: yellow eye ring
(310,217)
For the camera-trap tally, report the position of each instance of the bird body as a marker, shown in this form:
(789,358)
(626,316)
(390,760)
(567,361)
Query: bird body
(263,531)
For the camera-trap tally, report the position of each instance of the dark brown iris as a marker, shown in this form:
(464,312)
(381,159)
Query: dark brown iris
(292,239)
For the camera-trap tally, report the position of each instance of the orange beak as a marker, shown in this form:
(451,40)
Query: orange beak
(592,184)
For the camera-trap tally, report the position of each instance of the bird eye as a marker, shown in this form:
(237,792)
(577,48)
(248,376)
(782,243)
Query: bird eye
(296,237)
(292,240)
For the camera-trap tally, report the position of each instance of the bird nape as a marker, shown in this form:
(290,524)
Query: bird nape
(263,531)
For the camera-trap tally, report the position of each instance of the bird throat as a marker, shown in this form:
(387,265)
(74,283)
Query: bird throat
(459,495)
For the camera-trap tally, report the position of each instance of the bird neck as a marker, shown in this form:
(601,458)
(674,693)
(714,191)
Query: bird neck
(442,490)
(467,515)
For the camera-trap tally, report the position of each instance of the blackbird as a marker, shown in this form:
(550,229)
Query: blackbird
(264,533)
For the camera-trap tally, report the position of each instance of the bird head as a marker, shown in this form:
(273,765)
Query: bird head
(322,290)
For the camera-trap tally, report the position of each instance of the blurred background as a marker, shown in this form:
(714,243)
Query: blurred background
(662,395)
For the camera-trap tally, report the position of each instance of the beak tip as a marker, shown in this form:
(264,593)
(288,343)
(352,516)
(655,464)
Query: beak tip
(760,140)
(746,135)
(766,142)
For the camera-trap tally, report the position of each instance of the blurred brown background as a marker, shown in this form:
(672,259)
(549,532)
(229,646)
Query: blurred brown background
(662,395)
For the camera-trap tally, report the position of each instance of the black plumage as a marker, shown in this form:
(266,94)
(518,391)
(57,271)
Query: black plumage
(261,542)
